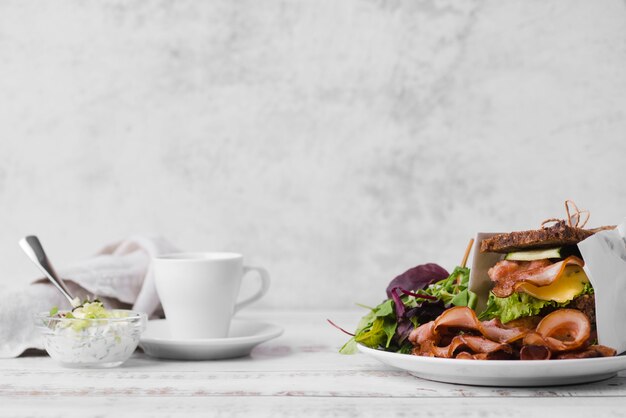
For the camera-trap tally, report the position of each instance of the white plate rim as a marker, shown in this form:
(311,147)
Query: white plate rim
(501,373)
(486,364)
(273,331)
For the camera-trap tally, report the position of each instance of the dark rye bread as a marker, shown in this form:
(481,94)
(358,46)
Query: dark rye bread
(557,235)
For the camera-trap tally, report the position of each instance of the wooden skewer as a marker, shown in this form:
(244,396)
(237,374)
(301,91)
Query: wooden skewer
(467,252)
(465,257)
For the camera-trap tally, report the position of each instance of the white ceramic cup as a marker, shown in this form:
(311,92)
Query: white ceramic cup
(199,291)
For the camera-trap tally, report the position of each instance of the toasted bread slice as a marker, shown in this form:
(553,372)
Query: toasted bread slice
(557,235)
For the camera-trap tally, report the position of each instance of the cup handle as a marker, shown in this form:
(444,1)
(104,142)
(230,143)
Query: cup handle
(265,285)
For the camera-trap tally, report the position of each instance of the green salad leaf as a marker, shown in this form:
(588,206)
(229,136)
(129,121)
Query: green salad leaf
(384,309)
(387,327)
(454,291)
(521,305)
(371,330)
(518,305)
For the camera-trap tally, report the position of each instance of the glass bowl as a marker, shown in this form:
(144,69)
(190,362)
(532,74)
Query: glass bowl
(102,342)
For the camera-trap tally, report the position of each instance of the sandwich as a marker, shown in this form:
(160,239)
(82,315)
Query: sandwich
(539,275)
(539,271)
(538,303)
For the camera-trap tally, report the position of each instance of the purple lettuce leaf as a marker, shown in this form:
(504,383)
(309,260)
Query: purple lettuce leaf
(425,312)
(397,303)
(417,278)
(403,330)
(414,279)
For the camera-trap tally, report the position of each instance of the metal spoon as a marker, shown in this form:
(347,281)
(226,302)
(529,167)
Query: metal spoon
(33,249)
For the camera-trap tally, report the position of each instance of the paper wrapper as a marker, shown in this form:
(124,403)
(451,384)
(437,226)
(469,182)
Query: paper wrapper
(605,265)
(480,283)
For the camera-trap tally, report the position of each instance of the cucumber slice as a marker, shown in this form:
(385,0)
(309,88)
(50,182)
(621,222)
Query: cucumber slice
(534,254)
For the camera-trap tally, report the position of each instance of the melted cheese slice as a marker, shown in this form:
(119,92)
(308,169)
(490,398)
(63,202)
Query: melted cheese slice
(569,284)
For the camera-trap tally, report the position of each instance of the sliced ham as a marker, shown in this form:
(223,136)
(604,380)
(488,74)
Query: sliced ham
(476,344)
(457,333)
(534,339)
(496,355)
(470,344)
(507,276)
(561,330)
(494,336)
(505,268)
(564,330)
(535,352)
(423,333)
(461,317)
(465,318)
(495,330)
(590,352)
(464,355)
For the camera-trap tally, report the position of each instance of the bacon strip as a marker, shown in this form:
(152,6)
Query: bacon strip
(589,352)
(423,333)
(496,355)
(535,352)
(465,318)
(561,330)
(469,343)
(509,275)
(561,334)
(475,344)
(464,355)
(495,337)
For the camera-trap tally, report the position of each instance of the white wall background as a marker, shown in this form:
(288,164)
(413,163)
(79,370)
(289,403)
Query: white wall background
(337,143)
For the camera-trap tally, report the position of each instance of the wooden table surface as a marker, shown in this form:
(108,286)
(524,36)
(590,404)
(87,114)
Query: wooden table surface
(298,374)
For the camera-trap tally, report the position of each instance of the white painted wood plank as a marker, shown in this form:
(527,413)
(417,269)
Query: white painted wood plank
(261,407)
(342,383)
(299,373)
(309,343)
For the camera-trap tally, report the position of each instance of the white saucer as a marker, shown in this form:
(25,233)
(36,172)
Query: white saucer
(243,337)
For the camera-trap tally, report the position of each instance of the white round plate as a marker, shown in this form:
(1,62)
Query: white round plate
(502,372)
(243,337)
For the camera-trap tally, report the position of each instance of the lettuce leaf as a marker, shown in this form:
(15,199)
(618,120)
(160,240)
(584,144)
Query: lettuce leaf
(371,330)
(373,336)
(520,305)
(389,324)
(454,291)
(418,277)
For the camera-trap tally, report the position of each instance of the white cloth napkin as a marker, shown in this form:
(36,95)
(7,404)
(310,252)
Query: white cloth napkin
(120,275)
